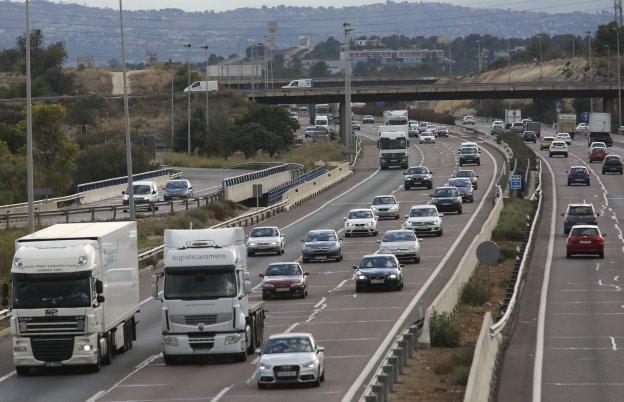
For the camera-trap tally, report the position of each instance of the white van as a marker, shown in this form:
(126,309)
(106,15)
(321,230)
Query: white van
(321,121)
(305,83)
(200,86)
(145,192)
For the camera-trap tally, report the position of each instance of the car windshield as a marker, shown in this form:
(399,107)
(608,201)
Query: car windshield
(578,170)
(558,144)
(195,283)
(421,212)
(52,291)
(584,232)
(445,192)
(464,173)
(141,189)
(529,133)
(295,344)
(548,139)
(598,145)
(384,200)
(563,135)
(392,143)
(176,185)
(581,210)
(469,151)
(406,235)
(460,183)
(264,232)
(360,214)
(283,270)
(417,170)
(378,262)
(320,236)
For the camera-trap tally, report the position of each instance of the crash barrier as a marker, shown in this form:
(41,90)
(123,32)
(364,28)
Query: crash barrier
(479,384)
(309,189)
(51,204)
(90,213)
(124,179)
(275,194)
(394,363)
(447,299)
(241,187)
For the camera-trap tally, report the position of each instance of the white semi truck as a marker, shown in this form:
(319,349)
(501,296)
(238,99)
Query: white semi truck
(393,149)
(206,309)
(75,294)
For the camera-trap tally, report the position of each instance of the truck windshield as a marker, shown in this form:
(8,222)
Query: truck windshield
(193,283)
(397,121)
(392,143)
(47,291)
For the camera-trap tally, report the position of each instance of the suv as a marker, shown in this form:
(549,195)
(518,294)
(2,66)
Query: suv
(585,239)
(378,270)
(612,163)
(265,239)
(424,219)
(469,155)
(418,176)
(578,174)
(558,148)
(447,199)
(360,221)
(385,206)
(597,152)
(579,214)
(529,136)
(517,127)
(321,245)
(470,174)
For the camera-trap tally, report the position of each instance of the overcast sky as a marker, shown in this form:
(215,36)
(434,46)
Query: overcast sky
(201,5)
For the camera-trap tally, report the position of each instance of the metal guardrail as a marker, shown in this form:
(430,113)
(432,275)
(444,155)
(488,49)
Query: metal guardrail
(243,178)
(122,180)
(65,199)
(275,194)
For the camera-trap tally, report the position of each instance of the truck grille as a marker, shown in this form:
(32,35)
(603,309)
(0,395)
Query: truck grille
(201,341)
(52,349)
(196,319)
(51,325)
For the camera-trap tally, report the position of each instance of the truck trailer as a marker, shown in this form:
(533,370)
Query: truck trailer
(206,310)
(395,118)
(75,295)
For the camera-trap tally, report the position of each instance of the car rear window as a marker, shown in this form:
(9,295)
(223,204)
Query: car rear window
(584,232)
(445,192)
(581,210)
(578,170)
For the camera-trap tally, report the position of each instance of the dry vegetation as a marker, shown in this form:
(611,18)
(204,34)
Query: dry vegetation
(152,80)
(93,81)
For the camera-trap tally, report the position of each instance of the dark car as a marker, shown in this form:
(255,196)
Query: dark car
(178,188)
(322,245)
(529,136)
(578,174)
(464,186)
(412,130)
(469,155)
(470,174)
(447,199)
(612,163)
(378,270)
(579,214)
(418,176)
(441,131)
(284,279)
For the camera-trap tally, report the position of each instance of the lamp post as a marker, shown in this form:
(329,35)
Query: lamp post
(126,116)
(540,59)
(205,47)
(618,23)
(591,75)
(450,62)
(29,134)
(608,60)
(172,115)
(188,99)
(509,63)
(348,129)
(479,55)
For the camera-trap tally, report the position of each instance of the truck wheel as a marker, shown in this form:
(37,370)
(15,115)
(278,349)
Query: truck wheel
(106,344)
(129,328)
(25,370)
(240,357)
(170,360)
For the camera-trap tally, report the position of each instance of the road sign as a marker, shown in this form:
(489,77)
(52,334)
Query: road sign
(515,182)
(558,106)
(585,117)
(488,252)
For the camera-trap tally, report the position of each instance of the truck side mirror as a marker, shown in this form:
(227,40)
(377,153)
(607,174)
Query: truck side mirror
(100,299)
(123,192)
(247,287)
(154,289)
(99,286)
(258,351)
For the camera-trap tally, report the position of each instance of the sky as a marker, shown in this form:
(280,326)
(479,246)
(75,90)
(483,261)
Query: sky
(218,5)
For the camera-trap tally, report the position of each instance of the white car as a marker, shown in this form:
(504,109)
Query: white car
(265,239)
(558,148)
(403,243)
(427,137)
(360,221)
(290,358)
(469,120)
(144,192)
(565,137)
(424,219)
(497,123)
(582,127)
(385,206)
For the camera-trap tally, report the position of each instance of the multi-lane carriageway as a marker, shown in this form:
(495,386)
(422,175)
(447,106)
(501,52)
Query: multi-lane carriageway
(356,329)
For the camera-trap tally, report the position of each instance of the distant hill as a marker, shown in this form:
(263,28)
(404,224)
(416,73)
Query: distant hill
(94,32)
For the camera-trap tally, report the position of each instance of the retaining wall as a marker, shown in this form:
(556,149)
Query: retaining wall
(309,189)
(483,363)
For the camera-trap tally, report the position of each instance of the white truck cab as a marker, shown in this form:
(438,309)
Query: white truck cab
(321,122)
(393,149)
(145,192)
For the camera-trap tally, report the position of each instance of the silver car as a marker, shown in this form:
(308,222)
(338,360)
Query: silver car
(385,206)
(265,239)
(178,188)
(470,174)
(464,186)
(291,358)
(402,243)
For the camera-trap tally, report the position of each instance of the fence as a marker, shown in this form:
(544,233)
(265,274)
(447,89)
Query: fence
(275,194)
(243,178)
(123,180)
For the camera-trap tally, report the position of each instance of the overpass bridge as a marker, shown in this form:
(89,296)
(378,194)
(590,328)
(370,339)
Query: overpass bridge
(328,82)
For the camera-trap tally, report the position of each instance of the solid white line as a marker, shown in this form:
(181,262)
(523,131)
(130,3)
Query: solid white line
(541,317)
(221,393)
(372,363)
(95,396)
(7,376)
(320,302)
(130,374)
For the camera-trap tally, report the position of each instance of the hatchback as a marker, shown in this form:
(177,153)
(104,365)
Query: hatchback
(612,163)
(585,239)
(578,174)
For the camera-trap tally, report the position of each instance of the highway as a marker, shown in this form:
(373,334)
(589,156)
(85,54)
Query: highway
(355,328)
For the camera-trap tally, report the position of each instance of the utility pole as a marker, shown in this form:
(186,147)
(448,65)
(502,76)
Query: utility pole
(573,45)
(207,119)
(266,61)
(479,55)
(608,60)
(188,99)
(450,62)
(172,103)
(591,75)
(253,73)
(509,62)
(618,24)
(29,130)
(348,129)
(126,117)
(540,58)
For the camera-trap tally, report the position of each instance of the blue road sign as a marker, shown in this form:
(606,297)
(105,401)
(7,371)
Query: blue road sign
(515,182)
(558,105)
(585,117)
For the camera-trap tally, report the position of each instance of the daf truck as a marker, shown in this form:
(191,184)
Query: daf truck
(393,149)
(75,295)
(206,310)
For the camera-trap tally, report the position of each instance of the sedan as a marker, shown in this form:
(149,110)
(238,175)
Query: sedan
(385,206)
(321,245)
(418,176)
(265,239)
(290,358)
(565,137)
(368,119)
(447,199)
(284,279)
(464,186)
(529,136)
(578,174)
(612,163)
(402,243)
(424,219)
(360,221)
(178,188)
(442,131)
(585,239)
(470,174)
(558,148)
(378,270)
(427,137)
(469,155)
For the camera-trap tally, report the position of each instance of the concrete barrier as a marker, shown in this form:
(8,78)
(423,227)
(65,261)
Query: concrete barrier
(309,189)
(51,204)
(106,193)
(244,191)
(483,363)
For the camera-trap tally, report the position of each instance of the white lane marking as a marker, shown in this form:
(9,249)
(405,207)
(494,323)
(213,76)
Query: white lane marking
(346,357)
(372,363)
(7,376)
(320,302)
(346,339)
(221,393)
(150,298)
(338,287)
(585,384)
(541,317)
(130,374)
(95,396)
(613,345)
(597,266)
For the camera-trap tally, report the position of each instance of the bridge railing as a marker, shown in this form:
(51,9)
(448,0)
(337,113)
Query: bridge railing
(275,194)
(124,179)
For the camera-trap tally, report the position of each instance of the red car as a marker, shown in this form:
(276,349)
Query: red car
(284,279)
(597,154)
(585,239)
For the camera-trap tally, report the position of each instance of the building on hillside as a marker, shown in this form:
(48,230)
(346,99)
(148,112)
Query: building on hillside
(85,62)
(368,43)
(388,56)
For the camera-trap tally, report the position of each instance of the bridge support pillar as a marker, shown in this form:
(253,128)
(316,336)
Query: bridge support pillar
(608,105)
(343,123)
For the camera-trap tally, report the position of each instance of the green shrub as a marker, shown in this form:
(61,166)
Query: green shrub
(443,367)
(444,330)
(474,292)
(507,250)
(512,221)
(461,376)
(521,151)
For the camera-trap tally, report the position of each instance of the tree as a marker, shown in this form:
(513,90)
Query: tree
(319,69)
(243,140)
(12,137)
(12,176)
(180,79)
(107,160)
(86,111)
(328,50)
(199,135)
(274,119)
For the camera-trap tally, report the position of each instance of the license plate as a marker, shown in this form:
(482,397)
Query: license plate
(377,281)
(320,257)
(393,160)
(283,289)
(201,351)
(286,373)
(445,203)
(52,364)
(585,241)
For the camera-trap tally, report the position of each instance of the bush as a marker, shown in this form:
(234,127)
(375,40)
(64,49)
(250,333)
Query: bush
(463,356)
(444,330)
(443,367)
(474,292)
(461,376)
(507,250)
(512,221)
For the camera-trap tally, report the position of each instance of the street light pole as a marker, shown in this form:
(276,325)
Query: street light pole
(509,63)
(253,73)
(348,129)
(608,60)
(591,75)
(618,23)
(29,133)
(540,59)
(207,118)
(188,99)
(479,55)
(450,62)
(172,115)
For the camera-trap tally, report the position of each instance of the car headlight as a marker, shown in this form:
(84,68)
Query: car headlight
(85,348)
(170,341)
(273,243)
(264,366)
(392,276)
(361,276)
(296,285)
(231,339)
(310,364)
(17,262)
(436,222)
(394,207)
(268,285)
(252,244)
